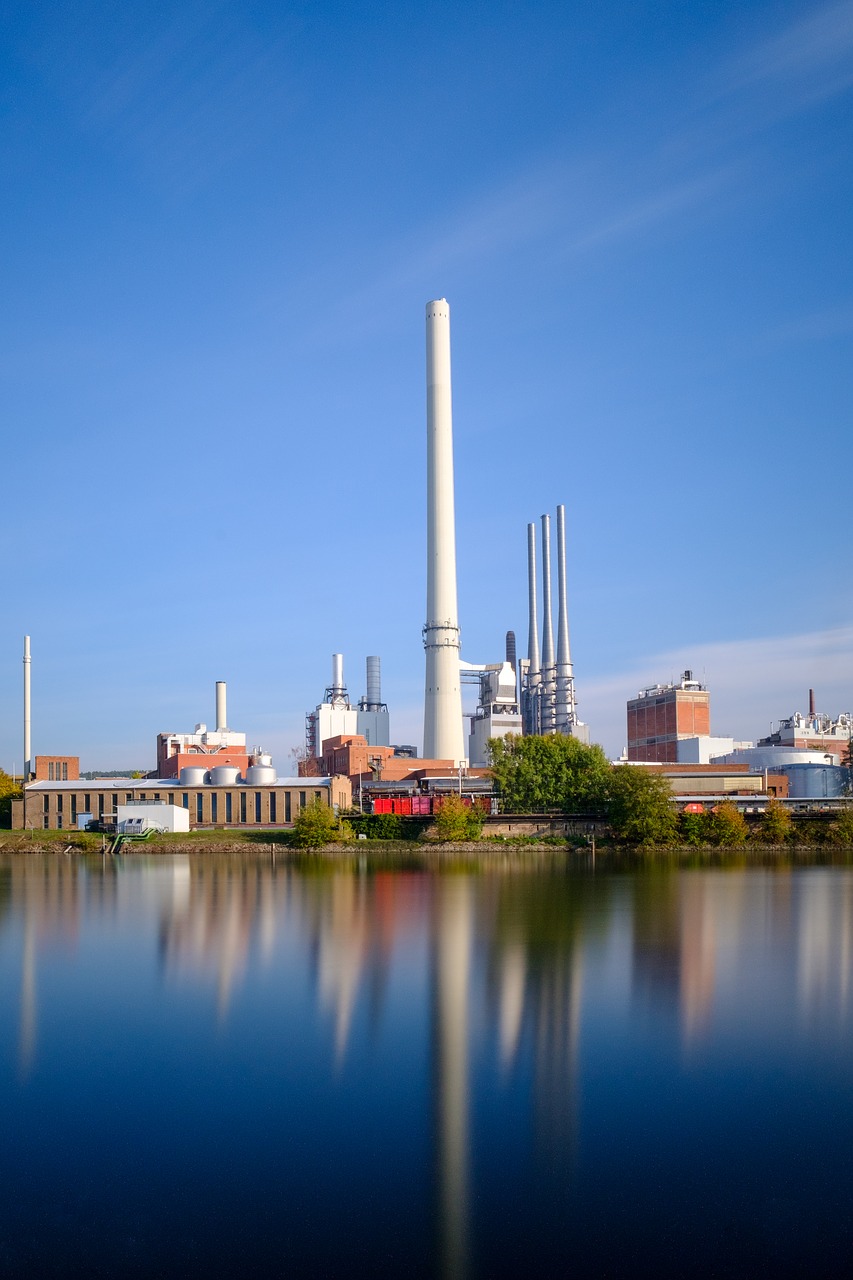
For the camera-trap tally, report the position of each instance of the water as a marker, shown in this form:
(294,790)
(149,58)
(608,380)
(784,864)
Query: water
(211,1066)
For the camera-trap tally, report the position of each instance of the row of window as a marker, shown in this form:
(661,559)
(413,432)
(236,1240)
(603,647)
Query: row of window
(228,807)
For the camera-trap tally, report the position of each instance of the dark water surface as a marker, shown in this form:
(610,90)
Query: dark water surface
(214,1067)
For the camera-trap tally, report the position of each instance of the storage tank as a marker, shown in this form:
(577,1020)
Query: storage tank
(193,776)
(815,781)
(224,775)
(260,775)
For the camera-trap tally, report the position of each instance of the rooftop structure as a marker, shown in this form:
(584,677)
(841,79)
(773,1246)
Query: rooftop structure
(662,714)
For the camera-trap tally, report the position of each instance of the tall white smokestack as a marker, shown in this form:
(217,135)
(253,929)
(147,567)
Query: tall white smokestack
(221,719)
(565,690)
(443,736)
(336,694)
(533,670)
(548,689)
(28,746)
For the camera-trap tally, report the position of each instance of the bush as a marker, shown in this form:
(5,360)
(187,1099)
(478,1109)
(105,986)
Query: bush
(776,824)
(842,828)
(455,821)
(728,825)
(695,828)
(316,824)
(640,806)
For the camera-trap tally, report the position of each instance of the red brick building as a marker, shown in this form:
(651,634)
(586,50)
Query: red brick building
(662,714)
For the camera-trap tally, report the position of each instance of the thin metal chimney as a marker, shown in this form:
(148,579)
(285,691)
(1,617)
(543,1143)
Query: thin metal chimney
(221,718)
(548,672)
(28,746)
(336,693)
(443,733)
(534,674)
(811,704)
(565,685)
(374,684)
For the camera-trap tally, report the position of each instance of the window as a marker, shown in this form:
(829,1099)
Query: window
(273,817)
(199,806)
(50,771)
(257,806)
(242,806)
(287,806)
(46,804)
(185,799)
(318,795)
(87,803)
(229,811)
(171,797)
(214,805)
(128,798)
(73,810)
(65,771)
(156,795)
(59,800)
(59,822)
(101,805)
(301,799)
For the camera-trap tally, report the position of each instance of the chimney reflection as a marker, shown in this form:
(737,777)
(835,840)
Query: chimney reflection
(451,963)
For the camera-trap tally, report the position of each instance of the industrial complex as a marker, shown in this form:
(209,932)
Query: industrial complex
(212,778)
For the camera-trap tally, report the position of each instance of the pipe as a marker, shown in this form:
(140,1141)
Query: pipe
(443,735)
(221,719)
(28,746)
(811,704)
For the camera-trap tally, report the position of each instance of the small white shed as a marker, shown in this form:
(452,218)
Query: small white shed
(136,819)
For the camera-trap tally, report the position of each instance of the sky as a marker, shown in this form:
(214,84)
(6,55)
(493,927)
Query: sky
(219,228)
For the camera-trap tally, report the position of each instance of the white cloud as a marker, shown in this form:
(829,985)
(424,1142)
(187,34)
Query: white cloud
(752,682)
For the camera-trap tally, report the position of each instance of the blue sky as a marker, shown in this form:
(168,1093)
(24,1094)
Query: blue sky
(220,224)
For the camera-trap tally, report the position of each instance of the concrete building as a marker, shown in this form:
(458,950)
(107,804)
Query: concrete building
(56,768)
(498,712)
(336,717)
(662,714)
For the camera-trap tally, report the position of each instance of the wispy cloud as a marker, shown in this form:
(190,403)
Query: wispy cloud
(752,682)
(810,59)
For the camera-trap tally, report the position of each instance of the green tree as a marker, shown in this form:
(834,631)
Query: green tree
(316,824)
(640,806)
(558,772)
(777,824)
(728,825)
(9,790)
(456,821)
(694,828)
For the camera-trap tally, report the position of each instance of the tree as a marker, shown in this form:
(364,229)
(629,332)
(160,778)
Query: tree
(317,824)
(842,828)
(776,824)
(694,828)
(558,772)
(640,806)
(729,826)
(456,821)
(10,789)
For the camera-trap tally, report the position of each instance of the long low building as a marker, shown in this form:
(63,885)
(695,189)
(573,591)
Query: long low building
(57,806)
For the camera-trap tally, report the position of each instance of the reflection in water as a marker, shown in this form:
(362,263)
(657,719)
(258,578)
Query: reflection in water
(503,972)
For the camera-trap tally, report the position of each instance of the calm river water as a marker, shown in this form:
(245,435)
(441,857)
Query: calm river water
(214,1067)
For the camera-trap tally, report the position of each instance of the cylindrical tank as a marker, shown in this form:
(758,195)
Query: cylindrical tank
(815,781)
(260,775)
(224,775)
(193,776)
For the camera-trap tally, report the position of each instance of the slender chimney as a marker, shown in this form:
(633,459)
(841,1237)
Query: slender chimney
(811,704)
(443,738)
(509,649)
(374,685)
(28,746)
(221,718)
(548,689)
(565,691)
(533,662)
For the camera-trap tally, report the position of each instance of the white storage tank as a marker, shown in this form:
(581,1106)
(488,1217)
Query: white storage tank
(260,775)
(224,775)
(193,777)
(815,781)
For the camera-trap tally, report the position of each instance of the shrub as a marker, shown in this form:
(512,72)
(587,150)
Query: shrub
(316,824)
(695,828)
(728,825)
(776,824)
(842,828)
(455,821)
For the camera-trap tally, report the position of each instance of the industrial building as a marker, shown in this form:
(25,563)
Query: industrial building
(498,710)
(662,714)
(336,716)
(203,747)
